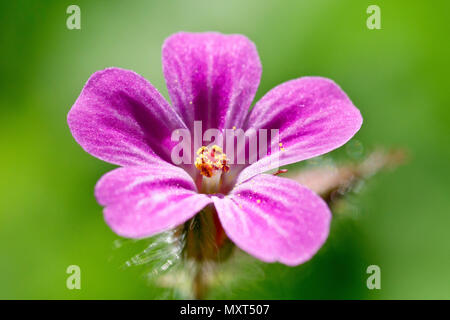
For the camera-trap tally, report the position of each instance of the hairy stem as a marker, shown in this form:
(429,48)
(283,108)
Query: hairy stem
(206,245)
(199,285)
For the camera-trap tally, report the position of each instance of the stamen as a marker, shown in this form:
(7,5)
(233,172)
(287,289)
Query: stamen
(210,161)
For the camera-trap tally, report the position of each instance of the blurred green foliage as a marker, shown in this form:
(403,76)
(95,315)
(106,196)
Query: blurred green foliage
(397,76)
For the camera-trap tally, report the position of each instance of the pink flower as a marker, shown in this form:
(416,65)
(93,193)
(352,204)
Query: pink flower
(121,118)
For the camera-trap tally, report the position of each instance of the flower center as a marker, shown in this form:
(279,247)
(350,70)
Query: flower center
(211,160)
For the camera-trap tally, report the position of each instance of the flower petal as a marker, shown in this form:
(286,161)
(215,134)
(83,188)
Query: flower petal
(142,201)
(121,118)
(313,116)
(275,219)
(211,77)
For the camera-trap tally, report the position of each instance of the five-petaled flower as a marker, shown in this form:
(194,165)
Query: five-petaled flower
(121,118)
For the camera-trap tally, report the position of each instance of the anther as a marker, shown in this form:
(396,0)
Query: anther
(211,160)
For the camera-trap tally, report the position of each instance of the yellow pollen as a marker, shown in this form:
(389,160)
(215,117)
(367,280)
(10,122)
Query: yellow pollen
(234,127)
(211,160)
(280,144)
(258,201)
(282,149)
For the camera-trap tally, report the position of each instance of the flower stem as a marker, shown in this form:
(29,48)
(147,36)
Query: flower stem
(200,286)
(206,246)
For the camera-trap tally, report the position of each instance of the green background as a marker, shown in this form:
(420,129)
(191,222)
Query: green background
(396,76)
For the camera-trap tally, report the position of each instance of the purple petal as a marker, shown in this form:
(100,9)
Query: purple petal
(121,118)
(211,77)
(275,219)
(313,116)
(142,201)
